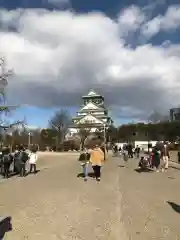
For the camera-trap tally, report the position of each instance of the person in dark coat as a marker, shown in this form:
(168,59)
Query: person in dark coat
(178,155)
(16,167)
(156,155)
(104,149)
(1,163)
(23,158)
(7,160)
(137,151)
(130,151)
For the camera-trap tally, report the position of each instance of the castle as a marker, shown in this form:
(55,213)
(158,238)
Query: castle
(93,114)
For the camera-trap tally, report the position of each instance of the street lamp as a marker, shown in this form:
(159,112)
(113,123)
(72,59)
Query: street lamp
(29,140)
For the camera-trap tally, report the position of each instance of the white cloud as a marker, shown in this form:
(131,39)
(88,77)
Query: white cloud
(130,19)
(169,21)
(57,56)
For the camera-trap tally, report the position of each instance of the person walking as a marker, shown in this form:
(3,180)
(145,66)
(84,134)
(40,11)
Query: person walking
(156,155)
(1,163)
(104,149)
(33,157)
(178,155)
(130,151)
(17,161)
(165,157)
(125,153)
(137,151)
(7,160)
(97,159)
(84,159)
(115,150)
(23,158)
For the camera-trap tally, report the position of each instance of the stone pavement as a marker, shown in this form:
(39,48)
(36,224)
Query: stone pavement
(55,204)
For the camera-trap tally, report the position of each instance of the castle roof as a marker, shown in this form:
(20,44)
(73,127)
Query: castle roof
(95,116)
(92,94)
(92,106)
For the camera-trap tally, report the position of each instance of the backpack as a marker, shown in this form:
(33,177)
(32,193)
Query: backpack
(84,157)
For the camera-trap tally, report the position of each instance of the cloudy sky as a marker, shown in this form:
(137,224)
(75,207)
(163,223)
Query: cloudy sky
(127,50)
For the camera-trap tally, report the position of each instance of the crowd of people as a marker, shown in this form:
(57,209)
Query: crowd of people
(127,151)
(16,162)
(156,157)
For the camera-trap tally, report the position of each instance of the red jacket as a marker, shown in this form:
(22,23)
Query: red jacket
(152,157)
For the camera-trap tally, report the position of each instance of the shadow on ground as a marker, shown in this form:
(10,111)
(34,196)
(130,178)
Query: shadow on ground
(31,173)
(121,166)
(172,178)
(174,206)
(5,226)
(11,174)
(81,175)
(140,170)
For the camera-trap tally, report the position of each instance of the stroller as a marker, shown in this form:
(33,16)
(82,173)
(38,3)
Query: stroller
(144,163)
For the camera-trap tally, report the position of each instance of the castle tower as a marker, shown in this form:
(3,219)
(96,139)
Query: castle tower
(92,114)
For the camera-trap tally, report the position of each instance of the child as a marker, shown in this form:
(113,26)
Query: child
(84,159)
(32,161)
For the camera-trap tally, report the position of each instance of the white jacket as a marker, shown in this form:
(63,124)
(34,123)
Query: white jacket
(33,158)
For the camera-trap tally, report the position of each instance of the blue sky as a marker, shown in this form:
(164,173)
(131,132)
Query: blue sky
(125,49)
(39,117)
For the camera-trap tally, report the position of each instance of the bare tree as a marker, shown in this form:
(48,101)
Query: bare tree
(5,109)
(83,132)
(4,75)
(60,123)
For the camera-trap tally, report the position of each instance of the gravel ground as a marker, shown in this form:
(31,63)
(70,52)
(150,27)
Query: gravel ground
(146,212)
(55,204)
